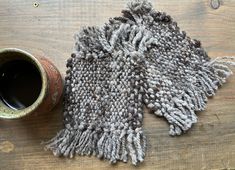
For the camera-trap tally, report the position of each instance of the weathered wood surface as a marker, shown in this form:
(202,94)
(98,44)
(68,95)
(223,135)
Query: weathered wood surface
(47,29)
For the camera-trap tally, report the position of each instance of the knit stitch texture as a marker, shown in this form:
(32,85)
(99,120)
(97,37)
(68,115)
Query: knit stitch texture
(140,58)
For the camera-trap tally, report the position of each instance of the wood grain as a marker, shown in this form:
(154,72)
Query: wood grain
(47,29)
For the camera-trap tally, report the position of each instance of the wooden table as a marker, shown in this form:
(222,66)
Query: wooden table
(47,28)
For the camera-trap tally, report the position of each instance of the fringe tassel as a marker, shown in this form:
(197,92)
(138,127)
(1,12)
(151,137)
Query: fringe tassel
(113,146)
(181,117)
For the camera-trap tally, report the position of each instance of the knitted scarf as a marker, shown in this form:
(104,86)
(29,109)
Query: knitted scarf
(141,58)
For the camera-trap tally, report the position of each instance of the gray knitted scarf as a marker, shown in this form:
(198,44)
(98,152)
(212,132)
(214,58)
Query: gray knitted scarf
(141,58)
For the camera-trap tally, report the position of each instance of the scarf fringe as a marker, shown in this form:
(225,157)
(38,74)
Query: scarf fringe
(113,146)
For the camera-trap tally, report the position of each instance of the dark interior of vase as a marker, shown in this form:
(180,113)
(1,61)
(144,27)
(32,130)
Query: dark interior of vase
(20,83)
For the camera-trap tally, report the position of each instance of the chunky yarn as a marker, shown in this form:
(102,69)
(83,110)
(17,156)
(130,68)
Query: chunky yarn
(140,58)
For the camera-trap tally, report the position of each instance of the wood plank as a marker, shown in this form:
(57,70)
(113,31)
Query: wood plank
(48,30)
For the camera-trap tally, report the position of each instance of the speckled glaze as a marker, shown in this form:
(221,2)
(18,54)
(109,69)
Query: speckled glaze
(52,84)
